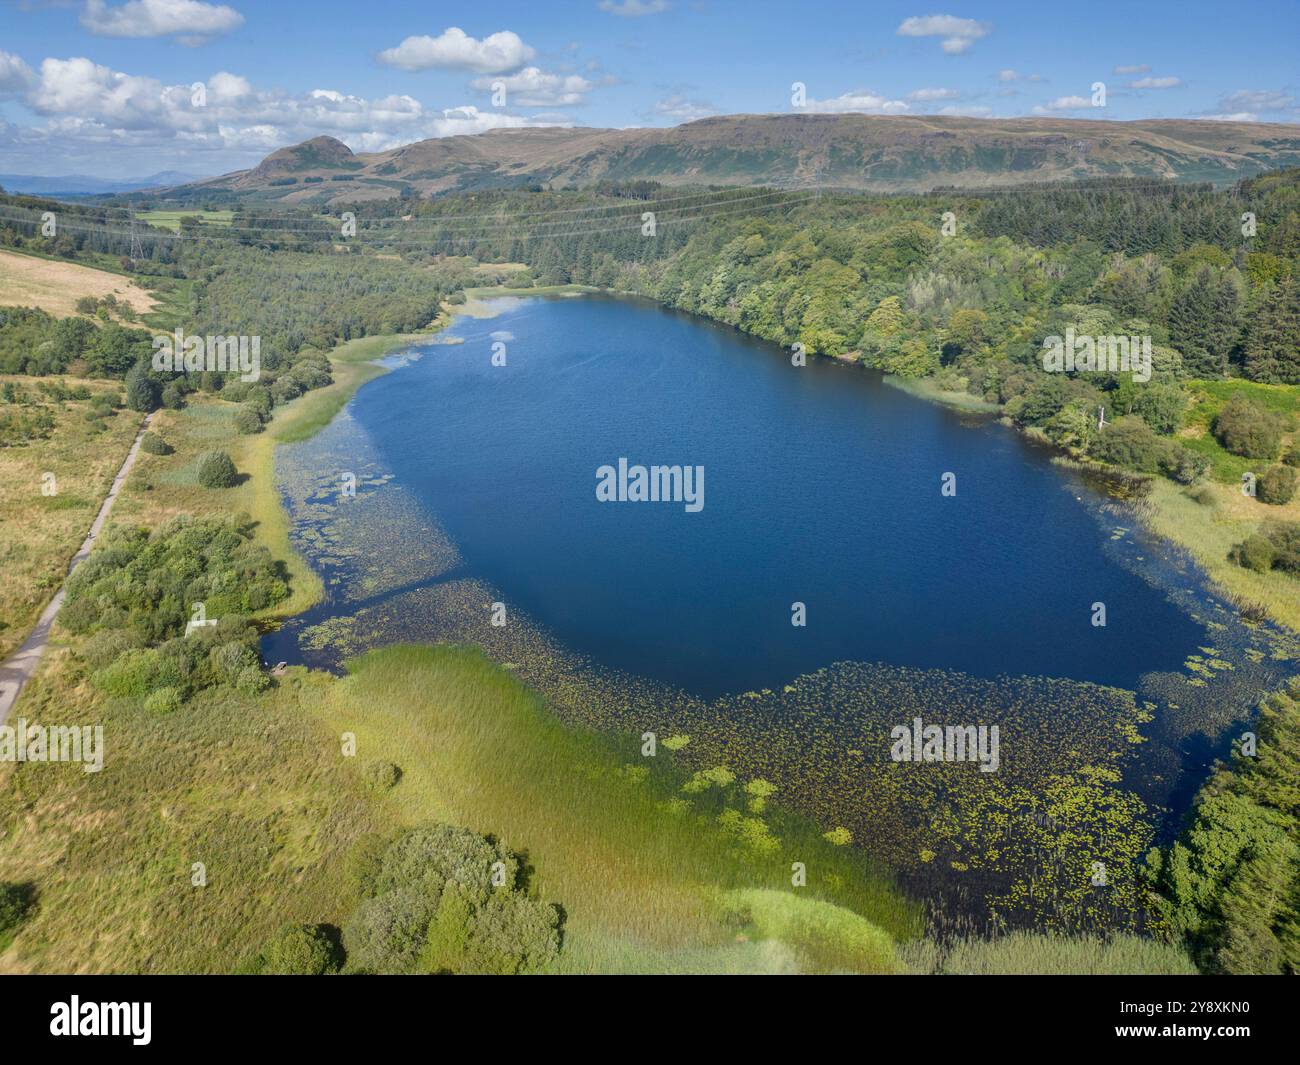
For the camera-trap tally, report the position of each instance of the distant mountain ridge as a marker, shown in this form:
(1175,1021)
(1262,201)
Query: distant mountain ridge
(85,185)
(883,153)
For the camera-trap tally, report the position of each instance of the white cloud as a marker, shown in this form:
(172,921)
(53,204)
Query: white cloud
(1256,100)
(966,111)
(930,95)
(1015,75)
(456,50)
(15,75)
(1156,83)
(1065,103)
(1136,68)
(532,87)
(680,109)
(957,34)
(96,116)
(1235,116)
(634,8)
(865,102)
(196,22)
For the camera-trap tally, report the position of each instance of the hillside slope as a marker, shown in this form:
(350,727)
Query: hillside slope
(882,153)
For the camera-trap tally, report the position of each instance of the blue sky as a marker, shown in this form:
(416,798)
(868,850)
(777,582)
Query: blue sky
(106,87)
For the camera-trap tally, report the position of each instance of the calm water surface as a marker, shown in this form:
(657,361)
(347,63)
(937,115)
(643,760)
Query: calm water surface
(822,486)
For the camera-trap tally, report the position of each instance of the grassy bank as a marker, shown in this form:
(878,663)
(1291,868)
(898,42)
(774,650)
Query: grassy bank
(643,871)
(161,486)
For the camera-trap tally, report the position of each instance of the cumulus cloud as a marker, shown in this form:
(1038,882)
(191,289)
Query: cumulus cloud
(1156,83)
(1065,103)
(1136,68)
(634,8)
(966,111)
(532,87)
(1246,105)
(93,112)
(191,21)
(680,109)
(1015,75)
(931,95)
(957,34)
(865,102)
(1258,100)
(15,75)
(454,49)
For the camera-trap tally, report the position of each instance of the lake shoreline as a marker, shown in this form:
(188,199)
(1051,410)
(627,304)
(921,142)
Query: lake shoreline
(1163,511)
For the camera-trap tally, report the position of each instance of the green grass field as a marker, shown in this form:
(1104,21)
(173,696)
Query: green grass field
(165,219)
(1209,398)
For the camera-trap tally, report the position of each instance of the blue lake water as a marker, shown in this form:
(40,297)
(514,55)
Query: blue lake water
(822,486)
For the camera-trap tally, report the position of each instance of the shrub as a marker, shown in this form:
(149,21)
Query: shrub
(445,899)
(108,645)
(141,390)
(1255,552)
(229,660)
(1184,465)
(382,776)
(300,950)
(16,902)
(163,701)
(251,680)
(136,674)
(155,444)
(216,470)
(1129,442)
(1246,428)
(1275,546)
(1277,485)
(1292,457)
(386,933)
(147,582)
(248,421)
(173,398)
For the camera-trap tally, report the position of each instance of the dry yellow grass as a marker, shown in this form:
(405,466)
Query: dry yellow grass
(39,533)
(55,287)
(1210,531)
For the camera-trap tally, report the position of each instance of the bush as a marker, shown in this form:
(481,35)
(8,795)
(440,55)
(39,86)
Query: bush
(147,582)
(300,950)
(163,701)
(155,444)
(382,776)
(141,390)
(446,899)
(108,645)
(216,470)
(248,421)
(1129,442)
(1277,485)
(1184,465)
(136,674)
(173,398)
(1275,546)
(16,903)
(1255,552)
(1246,428)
